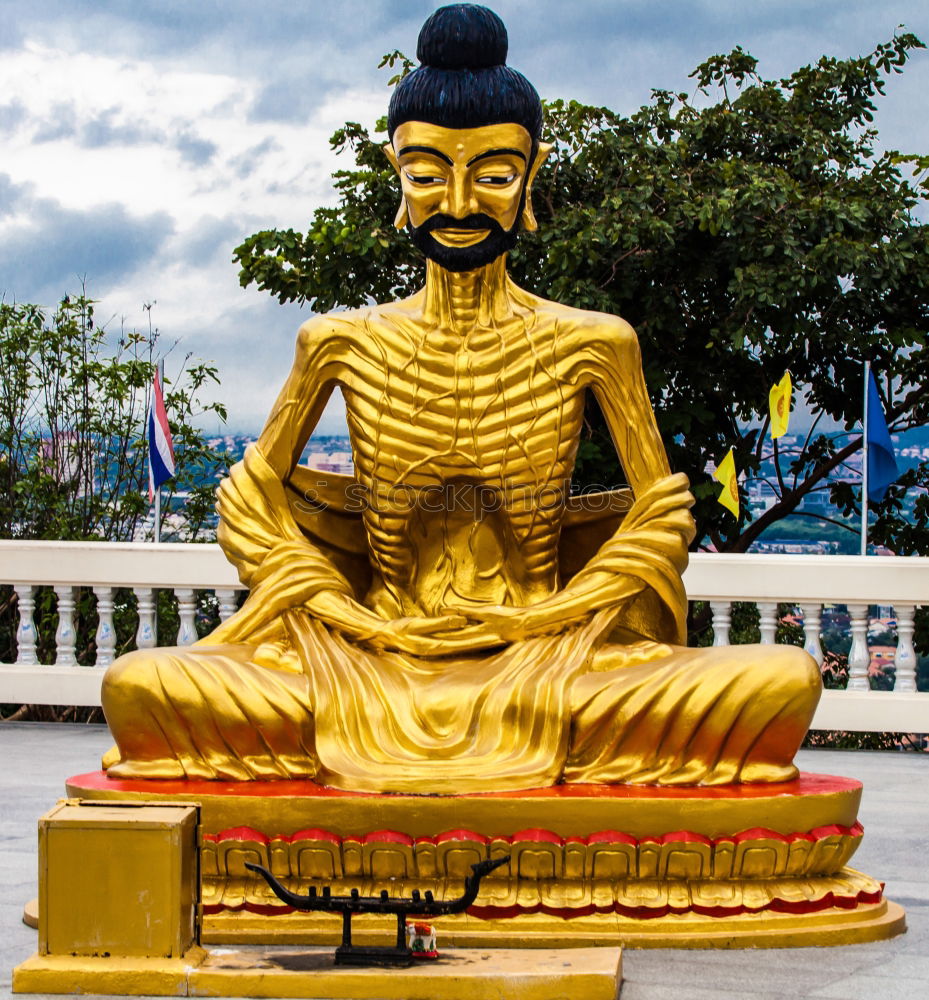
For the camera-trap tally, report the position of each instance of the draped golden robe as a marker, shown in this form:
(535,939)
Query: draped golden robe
(275,693)
(597,689)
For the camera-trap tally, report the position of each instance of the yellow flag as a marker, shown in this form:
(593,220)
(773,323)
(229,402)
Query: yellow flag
(779,402)
(726,474)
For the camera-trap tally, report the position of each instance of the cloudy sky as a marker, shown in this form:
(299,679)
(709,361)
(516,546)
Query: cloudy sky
(142,140)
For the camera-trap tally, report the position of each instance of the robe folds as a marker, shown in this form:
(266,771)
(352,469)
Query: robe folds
(275,693)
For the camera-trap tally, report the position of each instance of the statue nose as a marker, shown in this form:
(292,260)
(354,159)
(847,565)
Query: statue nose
(459,200)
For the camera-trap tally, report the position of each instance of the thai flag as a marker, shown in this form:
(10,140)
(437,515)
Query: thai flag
(160,446)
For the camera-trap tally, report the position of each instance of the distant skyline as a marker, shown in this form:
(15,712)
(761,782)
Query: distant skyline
(143,141)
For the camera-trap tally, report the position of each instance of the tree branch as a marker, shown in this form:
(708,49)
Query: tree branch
(790,500)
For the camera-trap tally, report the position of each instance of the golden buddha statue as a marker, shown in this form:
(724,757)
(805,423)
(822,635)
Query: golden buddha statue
(449,620)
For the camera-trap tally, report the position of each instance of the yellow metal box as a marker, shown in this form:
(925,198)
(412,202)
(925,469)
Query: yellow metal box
(118,879)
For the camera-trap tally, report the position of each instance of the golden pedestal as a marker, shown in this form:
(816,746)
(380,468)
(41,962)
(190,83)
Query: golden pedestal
(118,915)
(118,898)
(463,974)
(738,866)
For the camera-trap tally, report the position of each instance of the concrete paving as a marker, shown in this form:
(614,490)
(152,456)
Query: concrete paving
(895,812)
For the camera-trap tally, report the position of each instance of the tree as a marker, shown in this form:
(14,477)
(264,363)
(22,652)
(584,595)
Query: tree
(73,410)
(73,457)
(746,230)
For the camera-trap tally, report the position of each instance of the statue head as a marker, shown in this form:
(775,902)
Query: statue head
(464,138)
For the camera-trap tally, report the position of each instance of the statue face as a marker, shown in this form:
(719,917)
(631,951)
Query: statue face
(464,189)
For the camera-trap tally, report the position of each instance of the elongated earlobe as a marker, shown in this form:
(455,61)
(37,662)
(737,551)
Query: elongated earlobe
(403,214)
(527,219)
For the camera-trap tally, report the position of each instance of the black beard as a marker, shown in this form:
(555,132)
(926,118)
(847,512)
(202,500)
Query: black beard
(498,241)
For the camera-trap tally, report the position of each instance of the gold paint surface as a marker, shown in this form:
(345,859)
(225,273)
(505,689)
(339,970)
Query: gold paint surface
(461,172)
(459,974)
(118,879)
(113,976)
(444,622)
(830,927)
(565,812)
(646,898)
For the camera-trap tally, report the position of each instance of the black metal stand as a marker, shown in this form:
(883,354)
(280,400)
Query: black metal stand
(419,905)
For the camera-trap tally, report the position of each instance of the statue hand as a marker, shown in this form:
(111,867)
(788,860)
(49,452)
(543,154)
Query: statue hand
(442,635)
(419,636)
(512,624)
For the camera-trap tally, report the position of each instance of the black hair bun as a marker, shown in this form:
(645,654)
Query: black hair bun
(462,36)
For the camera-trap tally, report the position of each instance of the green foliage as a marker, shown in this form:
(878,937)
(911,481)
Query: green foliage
(73,407)
(837,739)
(74,401)
(745,230)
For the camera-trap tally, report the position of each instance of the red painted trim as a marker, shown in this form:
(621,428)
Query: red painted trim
(805,784)
(386,837)
(312,834)
(685,837)
(610,837)
(827,901)
(537,836)
(758,833)
(239,833)
(458,835)
(247,834)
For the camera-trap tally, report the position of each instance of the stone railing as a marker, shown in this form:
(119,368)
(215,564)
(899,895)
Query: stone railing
(73,569)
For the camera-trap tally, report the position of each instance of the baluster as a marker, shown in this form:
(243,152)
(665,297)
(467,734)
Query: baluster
(767,621)
(25,634)
(905,660)
(722,619)
(64,634)
(106,633)
(186,612)
(145,634)
(812,625)
(226,600)
(859,656)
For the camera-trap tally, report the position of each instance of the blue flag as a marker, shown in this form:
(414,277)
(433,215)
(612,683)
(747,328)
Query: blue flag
(879,450)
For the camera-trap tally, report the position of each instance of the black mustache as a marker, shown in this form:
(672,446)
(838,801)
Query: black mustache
(477,221)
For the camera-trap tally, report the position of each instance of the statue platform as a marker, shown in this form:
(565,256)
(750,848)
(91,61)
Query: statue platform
(461,974)
(760,865)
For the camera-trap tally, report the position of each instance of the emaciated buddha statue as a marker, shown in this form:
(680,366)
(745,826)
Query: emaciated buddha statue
(447,620)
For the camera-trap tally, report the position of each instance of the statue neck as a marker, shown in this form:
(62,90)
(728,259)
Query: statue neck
(461,300)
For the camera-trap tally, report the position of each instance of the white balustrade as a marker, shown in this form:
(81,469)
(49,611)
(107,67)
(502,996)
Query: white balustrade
(859,656)
(905,660)
(807,582)
(25,634)
(145,637)
(722,621)
(227,603)
(64,634)
(106,632)
(767,621)
(187,613)
(812,623)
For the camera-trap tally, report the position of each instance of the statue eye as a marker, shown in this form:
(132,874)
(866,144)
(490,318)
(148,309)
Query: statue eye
(422,179)
(496,179)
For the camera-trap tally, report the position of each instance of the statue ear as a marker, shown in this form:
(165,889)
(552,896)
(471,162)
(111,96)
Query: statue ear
(528,217)
(403,215)
(391,155)
(402,212)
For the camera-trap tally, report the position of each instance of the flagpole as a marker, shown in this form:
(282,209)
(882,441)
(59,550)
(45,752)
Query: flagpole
(864,463)
(157,533)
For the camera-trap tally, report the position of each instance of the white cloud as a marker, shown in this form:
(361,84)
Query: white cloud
(142,142)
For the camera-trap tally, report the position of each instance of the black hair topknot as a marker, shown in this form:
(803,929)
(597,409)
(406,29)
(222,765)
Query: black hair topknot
(462,36)
(464,81)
